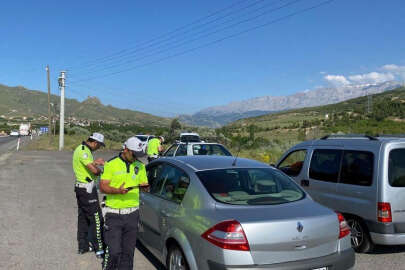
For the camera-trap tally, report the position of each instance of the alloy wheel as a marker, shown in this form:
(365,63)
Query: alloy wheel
(357,232)
(177,261)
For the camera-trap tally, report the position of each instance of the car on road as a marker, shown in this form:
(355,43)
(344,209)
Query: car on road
(216,212)
(14,133)
(196,149)
(362,177)
(144,139)
(189,137)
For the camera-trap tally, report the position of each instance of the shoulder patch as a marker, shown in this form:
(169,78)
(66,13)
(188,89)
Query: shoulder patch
(85,155)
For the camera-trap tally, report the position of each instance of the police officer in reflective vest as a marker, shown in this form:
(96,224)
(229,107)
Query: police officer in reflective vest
(90,219)
(122,179)
(155,147)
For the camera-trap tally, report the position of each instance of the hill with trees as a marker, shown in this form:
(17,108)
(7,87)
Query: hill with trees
(267,137)
(19,103)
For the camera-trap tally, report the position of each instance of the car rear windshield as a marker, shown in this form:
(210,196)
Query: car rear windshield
(142,138)
(257,186)
(396,167)
(190,138)
(210,149)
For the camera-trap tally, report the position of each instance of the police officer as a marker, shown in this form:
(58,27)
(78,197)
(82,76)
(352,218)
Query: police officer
(90,220)
(121,180)
(155,147)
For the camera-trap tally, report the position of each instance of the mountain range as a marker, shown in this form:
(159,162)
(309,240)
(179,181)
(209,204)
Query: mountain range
(221,115)
(21,103)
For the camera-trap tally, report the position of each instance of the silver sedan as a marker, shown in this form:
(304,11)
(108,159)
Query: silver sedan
(211,212)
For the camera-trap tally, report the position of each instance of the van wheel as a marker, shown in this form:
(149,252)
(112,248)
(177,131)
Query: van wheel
(176,259)
(361,241)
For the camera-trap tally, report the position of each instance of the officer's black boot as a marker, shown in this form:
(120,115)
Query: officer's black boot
(84,247)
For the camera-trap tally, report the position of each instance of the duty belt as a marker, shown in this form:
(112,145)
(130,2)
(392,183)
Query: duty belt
(81,185)
(123,211)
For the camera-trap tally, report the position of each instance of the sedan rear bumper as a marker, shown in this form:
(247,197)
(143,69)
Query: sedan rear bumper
(343,260)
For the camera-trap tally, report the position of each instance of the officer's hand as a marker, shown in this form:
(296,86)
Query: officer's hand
(99,162)
(144,187)
(122,189)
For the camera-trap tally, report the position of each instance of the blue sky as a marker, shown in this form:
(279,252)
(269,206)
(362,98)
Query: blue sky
(341,42)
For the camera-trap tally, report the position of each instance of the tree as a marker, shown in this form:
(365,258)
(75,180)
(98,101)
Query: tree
(252,129)
(175,124)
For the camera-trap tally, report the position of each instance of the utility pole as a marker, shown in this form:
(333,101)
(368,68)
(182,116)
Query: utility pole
(61,81)
(369,108)
(49,103)
(369,104)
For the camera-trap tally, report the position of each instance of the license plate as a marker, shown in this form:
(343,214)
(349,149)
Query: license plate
(321,268)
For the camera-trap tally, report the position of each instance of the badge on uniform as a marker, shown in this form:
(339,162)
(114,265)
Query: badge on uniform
(85,155)
(136,169)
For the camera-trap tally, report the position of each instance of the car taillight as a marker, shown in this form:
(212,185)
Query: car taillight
(227,235)
(384,212)
(344,228)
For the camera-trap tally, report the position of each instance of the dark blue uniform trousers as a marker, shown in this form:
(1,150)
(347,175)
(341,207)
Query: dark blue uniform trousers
(120,231)
(90,220)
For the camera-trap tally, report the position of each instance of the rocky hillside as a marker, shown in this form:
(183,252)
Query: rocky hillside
(221,115)
(21,103)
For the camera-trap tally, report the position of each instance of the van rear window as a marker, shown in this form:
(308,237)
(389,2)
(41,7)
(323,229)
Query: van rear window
(357,168)
(396,168)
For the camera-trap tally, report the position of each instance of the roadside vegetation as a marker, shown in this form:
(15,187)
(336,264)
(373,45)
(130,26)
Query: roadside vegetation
(115,135)
(266,137)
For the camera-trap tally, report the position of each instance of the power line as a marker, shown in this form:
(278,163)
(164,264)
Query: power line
(171,37)
(166,34)
(212,42)
(173,45)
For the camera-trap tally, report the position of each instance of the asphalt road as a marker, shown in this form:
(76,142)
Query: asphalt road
(7,143)
(38,219)
(38,215)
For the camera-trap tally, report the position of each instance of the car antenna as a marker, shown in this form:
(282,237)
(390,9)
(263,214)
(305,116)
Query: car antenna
(237,154)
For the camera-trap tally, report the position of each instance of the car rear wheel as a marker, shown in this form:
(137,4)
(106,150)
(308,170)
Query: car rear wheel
(176,259)
(361,241)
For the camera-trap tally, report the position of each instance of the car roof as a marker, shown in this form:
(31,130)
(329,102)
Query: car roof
(200,163)
(350,141)
(197,143)
(189,133)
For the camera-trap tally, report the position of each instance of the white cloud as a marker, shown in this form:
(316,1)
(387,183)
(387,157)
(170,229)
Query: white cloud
(372,78)
(390,67)
(395,70)
(337,80)
(322,72)
(390,72)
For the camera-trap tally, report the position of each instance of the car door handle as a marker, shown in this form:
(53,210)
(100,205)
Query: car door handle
(305,183)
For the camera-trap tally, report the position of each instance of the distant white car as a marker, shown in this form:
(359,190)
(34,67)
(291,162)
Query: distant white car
(144,139)
(14,133)
(196,149)
(189,137)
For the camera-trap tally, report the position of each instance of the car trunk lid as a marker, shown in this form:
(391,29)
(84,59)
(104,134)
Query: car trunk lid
(286,232)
